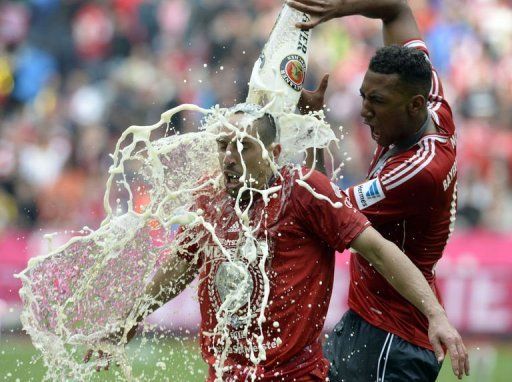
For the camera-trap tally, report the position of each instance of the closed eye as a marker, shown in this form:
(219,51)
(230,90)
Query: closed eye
(247,144)
(222,145)
(374,99)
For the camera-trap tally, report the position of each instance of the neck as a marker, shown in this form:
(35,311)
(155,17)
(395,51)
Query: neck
(426,126)
(269,181)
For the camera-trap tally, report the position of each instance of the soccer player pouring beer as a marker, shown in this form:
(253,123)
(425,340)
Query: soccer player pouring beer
(303,229)
(409,196)
(265,284)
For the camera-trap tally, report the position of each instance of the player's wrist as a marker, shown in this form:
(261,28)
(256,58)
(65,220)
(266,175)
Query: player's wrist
(435,313)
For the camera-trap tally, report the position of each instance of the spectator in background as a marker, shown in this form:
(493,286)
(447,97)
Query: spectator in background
(132,59)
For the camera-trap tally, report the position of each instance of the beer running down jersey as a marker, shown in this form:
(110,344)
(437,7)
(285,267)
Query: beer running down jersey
(302,233)
(410,198)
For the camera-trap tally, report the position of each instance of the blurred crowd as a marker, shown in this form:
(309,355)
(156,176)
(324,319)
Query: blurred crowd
(74,74)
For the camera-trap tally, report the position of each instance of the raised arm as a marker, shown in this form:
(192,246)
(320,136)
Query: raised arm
(403,275)
(399,24)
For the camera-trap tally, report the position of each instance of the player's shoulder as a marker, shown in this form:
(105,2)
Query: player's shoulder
(305,183)
(442,150)
(417,167)
(438,107)
(316,179)
(417,44)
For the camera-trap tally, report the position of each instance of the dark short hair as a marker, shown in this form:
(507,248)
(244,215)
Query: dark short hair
(411,65)
(267,129)
(266,124)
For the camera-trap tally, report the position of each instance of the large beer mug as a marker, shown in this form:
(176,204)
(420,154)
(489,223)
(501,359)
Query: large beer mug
(279,72)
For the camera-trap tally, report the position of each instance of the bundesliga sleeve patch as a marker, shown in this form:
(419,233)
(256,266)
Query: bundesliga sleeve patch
(368,193)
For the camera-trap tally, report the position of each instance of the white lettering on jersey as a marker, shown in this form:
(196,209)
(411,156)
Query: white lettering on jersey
(368,193)
(453,209)
(453,141)
(449,178)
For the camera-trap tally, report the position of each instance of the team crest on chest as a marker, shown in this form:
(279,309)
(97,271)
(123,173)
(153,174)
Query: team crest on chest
(237,284)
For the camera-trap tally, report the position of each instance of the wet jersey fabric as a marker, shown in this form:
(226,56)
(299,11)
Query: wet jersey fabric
(301,234)
(410,198)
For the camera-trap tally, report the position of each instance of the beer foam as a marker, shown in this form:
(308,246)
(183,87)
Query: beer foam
(78,295)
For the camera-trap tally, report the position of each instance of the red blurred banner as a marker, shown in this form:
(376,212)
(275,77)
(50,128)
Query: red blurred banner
(475,278)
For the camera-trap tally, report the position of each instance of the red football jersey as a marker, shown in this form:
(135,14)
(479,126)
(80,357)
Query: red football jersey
(411,201)
(302,234)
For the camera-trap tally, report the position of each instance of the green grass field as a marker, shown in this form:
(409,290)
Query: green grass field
(19,361)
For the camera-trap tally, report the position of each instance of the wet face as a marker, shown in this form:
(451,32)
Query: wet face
(236,150)
(385,107)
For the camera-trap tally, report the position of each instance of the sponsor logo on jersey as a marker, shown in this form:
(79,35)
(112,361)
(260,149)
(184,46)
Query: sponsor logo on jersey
(236,284)
(453,141)
(368,193)
(373,192)
(450,176)
(293,70)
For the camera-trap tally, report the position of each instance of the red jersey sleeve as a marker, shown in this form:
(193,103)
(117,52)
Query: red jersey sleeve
(186,244)
(437,105)
(329,214)
(401,190)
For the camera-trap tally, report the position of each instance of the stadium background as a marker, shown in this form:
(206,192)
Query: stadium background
(74,74)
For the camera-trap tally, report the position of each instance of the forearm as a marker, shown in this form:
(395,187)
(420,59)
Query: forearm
(406,278)
(396,15)
(169,281)
(399,24)
(386,10)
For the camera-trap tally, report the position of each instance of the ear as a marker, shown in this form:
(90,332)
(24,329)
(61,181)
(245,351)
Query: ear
(416,105)
(276,151)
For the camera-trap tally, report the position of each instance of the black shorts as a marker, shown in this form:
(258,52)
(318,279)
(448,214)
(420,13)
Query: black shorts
(360,352)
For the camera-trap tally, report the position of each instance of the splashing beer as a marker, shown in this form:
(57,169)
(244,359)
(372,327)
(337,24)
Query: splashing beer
(78,295)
